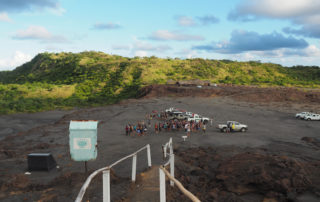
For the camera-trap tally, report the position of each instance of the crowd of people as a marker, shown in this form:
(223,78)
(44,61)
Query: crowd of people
(162,124)
(139,129)
(179,125)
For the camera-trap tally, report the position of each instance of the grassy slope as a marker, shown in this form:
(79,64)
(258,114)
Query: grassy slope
(94,78)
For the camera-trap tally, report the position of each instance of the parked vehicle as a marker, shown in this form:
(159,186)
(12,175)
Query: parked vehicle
(302,115)
(171,109)
(312,117)
(179,116)
(197,118)
(190,114)
(232,126)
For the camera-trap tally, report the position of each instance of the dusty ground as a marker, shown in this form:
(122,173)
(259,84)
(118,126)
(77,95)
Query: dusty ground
(273,130)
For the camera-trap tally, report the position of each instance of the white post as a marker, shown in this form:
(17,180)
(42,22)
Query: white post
(149,155)
(134,168)
(170,145)
(172,168)
(106,185)
(162,180)
(165,150)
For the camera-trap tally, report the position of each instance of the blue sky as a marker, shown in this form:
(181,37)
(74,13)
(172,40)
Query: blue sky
(286,32)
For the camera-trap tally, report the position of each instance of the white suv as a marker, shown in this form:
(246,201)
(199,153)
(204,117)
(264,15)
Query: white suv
(312,117)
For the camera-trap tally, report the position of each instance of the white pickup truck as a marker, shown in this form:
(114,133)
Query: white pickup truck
(171,109)
(197,118)
(312,117)
(232,126)
(302,115)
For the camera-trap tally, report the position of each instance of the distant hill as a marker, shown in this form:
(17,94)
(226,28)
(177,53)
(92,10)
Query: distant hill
(52,80)
(70,68)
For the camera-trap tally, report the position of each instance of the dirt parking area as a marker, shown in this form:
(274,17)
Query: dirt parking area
(272,128)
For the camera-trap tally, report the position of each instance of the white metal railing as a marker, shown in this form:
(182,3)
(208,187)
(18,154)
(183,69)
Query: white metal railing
(163,173)
(106,175)
(165,147)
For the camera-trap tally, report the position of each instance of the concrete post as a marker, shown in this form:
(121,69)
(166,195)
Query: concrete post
(162,180)
(149,155)
(172,168)
(170,145)
(134,168)
(106,185)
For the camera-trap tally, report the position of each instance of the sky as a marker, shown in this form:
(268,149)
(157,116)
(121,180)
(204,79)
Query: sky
(285,32)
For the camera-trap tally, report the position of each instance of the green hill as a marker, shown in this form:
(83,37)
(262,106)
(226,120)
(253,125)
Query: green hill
(93,78)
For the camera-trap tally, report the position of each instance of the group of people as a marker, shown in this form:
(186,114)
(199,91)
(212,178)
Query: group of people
(163,124)
(157,115)
(141,128)
(178,125)
(138,129)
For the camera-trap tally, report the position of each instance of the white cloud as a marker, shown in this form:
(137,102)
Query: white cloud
(121,47)
(106,26)
(165,35)
(39,33)
(29,5)
(4,17)
(304,13)
(58,10)
(141,53)
(243,41)
(208,19)
(187,53)
(309,52)
(18,58)
(186,21)
(276,8)
(144,46)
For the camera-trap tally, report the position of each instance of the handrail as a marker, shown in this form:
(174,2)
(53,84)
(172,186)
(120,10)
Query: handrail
(163,172)
(131,155)
(180,186)
(165,147)
(87,182)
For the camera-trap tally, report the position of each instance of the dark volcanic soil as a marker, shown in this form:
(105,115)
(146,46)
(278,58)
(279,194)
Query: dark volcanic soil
(247,174)
(280,95)
(278,158)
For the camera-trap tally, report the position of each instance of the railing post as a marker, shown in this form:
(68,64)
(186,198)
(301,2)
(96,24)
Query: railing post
(172,168)
(170,145)
(106,185)
(149,155)
(165,150)
(162,180)
(134,168)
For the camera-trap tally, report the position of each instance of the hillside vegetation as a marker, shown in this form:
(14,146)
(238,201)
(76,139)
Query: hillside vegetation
(65,80)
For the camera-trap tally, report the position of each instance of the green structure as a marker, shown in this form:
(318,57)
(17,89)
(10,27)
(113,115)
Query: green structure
(83,140)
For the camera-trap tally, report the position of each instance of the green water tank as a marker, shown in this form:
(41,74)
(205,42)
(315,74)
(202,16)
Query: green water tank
(83,139)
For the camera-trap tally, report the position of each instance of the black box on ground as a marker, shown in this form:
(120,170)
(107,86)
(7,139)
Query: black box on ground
(40,161)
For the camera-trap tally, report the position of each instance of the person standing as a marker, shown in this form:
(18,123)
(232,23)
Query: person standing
(156,127)
(204,128)
(127,130)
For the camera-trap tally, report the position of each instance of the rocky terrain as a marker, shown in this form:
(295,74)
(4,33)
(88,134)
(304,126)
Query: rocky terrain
(277,159)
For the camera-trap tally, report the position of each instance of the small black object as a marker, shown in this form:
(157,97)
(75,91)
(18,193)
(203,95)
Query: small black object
(41,161)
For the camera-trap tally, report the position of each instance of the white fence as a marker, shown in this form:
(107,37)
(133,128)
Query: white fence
(106,175)
(163,173)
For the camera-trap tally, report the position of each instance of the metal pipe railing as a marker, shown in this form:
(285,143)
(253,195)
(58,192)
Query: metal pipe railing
(163,173)
(106,175)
